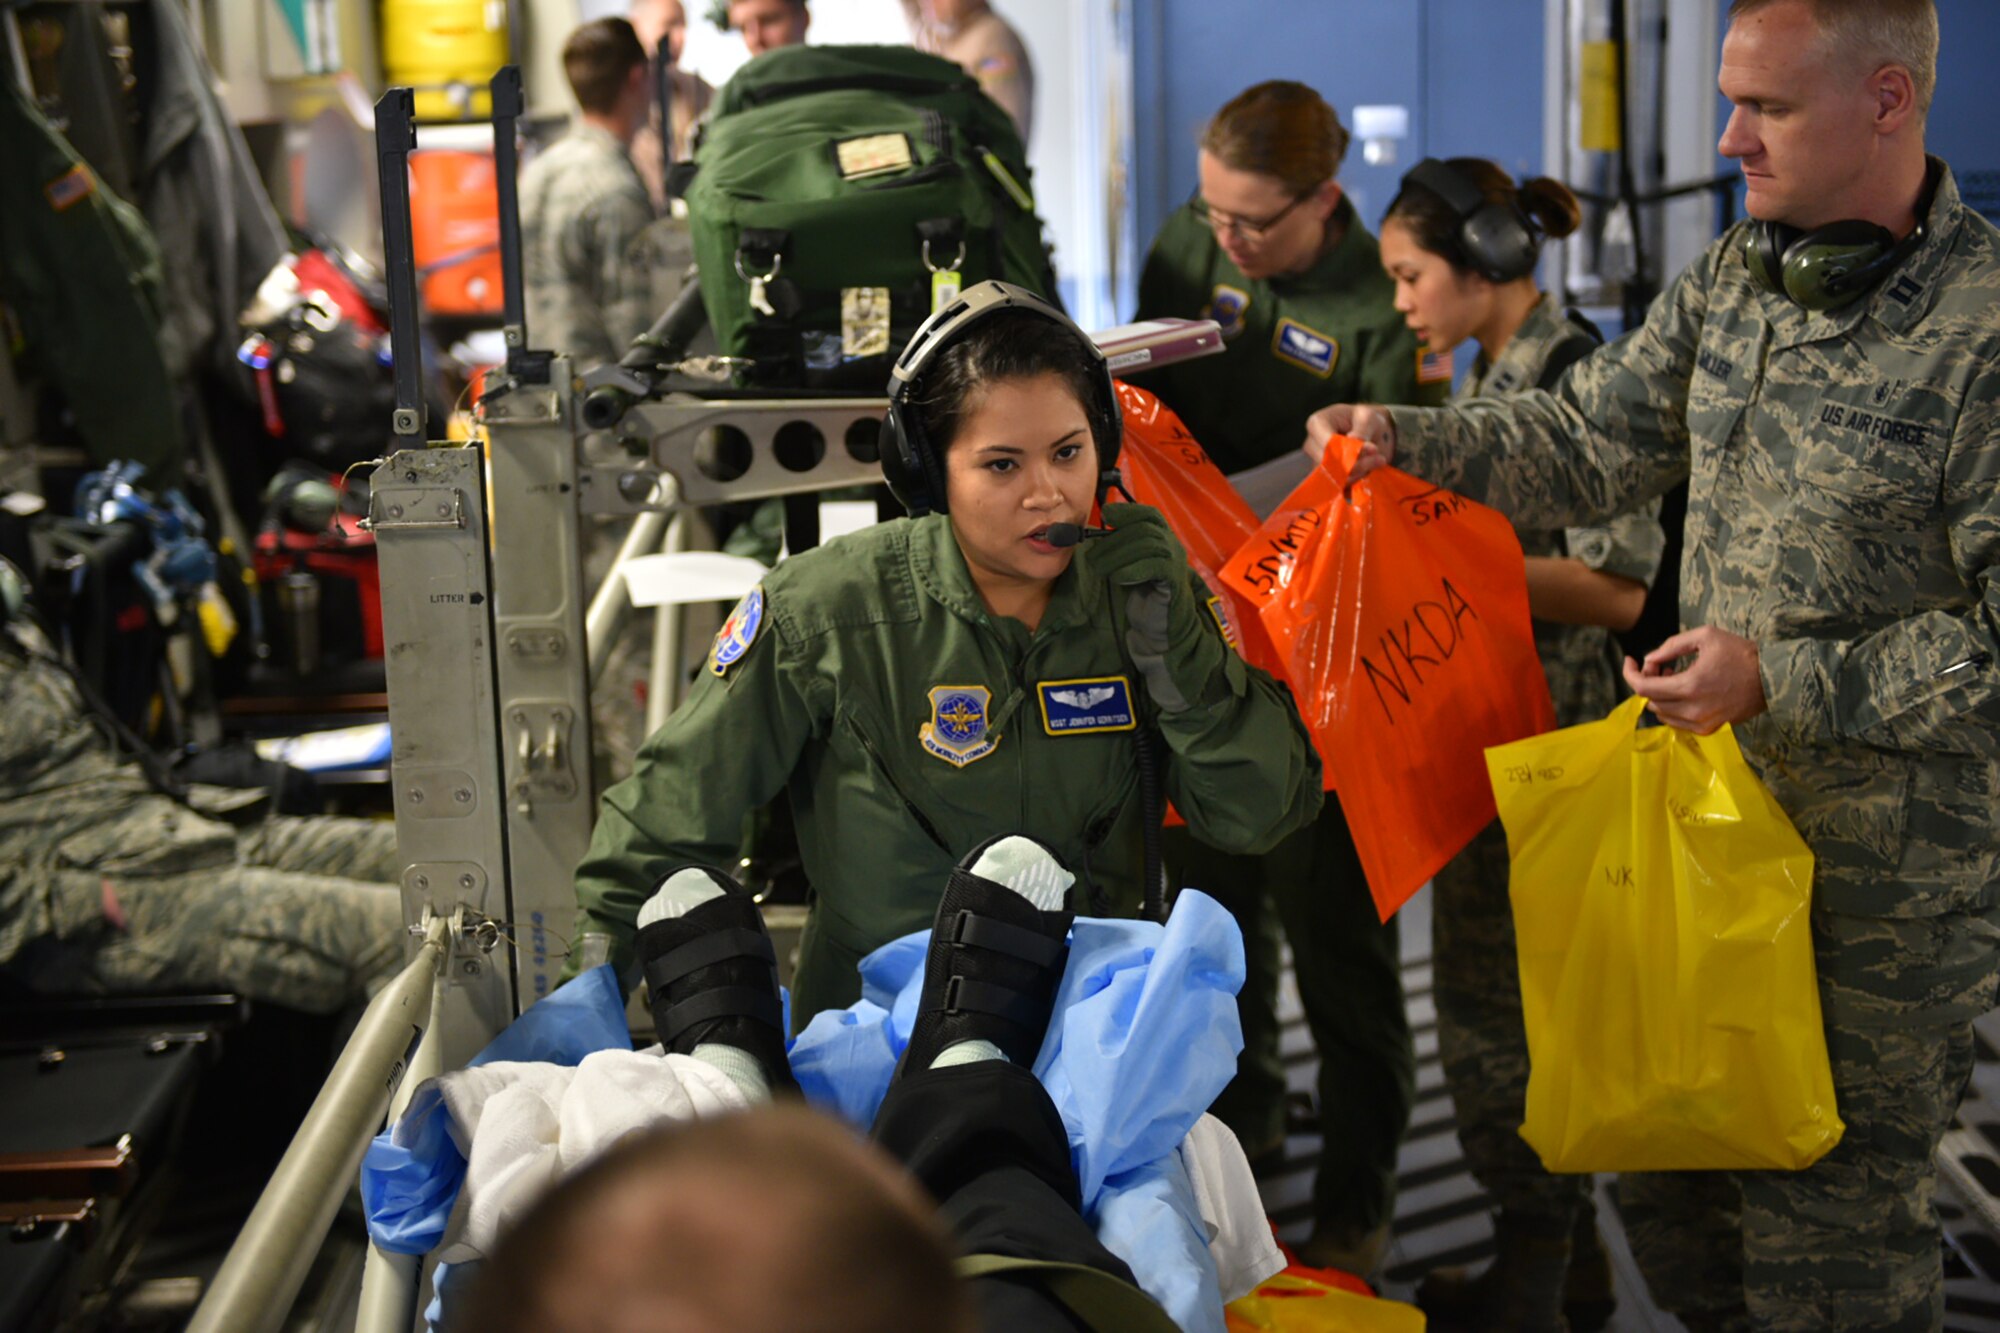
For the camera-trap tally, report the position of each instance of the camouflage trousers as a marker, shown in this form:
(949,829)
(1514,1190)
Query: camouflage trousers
(1481,1040)
(308,916)
(1852,1242)
(1348,969)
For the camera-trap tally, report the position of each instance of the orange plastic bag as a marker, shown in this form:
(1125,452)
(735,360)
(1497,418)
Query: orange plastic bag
(1299,1300)
(1400,612)
(1165,466)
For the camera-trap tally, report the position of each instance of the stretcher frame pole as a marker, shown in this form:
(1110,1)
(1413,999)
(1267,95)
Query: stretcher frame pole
(390,1281)
(262,1274)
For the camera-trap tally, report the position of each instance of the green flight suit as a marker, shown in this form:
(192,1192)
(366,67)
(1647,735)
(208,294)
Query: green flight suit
(908,725)
(82,275)
(1293,345)
(1843,514)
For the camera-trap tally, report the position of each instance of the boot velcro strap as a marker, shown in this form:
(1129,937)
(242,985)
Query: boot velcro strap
(966,995)
(985,932)
(705,950)
(722,1002)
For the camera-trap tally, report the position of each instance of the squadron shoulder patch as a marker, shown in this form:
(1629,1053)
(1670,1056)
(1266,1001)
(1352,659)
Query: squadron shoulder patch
(738,632)
(1226,305)
(1308,349)
(958,732)
(1078,707)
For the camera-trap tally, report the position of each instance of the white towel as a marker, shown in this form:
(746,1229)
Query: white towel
(1232,1212)
(523,1127)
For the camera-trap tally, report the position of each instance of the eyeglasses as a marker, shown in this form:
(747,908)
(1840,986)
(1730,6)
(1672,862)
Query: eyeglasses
(1244,227)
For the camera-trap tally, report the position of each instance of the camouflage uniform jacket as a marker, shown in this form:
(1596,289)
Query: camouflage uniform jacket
(71,806)
(586,260)
(1843,512)
(1581,661)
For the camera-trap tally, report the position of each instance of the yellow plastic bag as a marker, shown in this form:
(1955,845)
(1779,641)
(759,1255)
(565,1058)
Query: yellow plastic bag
(1661,914)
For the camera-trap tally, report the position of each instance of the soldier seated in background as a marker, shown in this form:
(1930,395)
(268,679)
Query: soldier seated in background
(110,885)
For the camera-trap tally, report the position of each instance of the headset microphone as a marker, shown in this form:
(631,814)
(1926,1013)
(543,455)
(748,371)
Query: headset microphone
(1072,534)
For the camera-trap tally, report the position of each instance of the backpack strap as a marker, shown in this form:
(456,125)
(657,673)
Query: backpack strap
(1102,1302)
(1578,341)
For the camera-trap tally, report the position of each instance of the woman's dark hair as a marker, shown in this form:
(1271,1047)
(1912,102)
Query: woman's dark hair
(1280,129)
(1006,345)
(1437,227)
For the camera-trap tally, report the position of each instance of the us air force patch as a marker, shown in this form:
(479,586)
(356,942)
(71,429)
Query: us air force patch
(1305,348)
(738,632)
(1076,707)
(957,732)
(1226,305)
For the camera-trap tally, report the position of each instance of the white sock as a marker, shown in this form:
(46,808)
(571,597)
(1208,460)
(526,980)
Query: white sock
(679,894)
(740,1066)
(1025,866)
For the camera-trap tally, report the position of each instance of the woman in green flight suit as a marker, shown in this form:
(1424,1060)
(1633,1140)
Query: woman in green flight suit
(919,686)
(1460,242)
(1272,250)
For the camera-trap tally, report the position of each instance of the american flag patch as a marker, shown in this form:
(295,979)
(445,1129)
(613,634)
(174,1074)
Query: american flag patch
(1433,367)
(72,186)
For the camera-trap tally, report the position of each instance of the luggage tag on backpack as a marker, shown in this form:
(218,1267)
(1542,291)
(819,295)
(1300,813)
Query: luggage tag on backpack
(946,282)
(945,287)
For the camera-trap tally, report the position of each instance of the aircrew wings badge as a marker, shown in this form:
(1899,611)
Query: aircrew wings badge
(1308,349)
(957,732)
(738,632)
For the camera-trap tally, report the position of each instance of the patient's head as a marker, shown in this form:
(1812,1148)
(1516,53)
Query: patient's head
(776,1220)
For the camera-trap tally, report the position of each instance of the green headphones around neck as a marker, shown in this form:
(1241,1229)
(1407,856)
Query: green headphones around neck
(1828,267)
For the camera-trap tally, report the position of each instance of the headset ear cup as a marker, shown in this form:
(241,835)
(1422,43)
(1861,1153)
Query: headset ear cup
(1836,264)
(901,468)
(1763,256)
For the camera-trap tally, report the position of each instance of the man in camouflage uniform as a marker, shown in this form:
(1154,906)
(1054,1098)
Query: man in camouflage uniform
(586,260)
(1842,575)
(108,886)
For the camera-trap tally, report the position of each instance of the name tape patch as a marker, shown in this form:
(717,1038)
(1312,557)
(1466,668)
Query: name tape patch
(1078,707)
(1308,349)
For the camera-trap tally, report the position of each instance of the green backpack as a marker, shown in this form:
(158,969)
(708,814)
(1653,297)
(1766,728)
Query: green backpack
(838,195)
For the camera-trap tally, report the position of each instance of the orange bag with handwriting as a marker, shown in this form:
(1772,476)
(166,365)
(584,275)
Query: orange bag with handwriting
(1165,467)
(1400,612)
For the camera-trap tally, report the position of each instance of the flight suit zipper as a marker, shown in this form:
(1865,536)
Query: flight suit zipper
(882,768)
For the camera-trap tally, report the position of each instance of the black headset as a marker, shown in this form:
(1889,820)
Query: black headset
(911,463)
(1500,241)
(1828,267)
